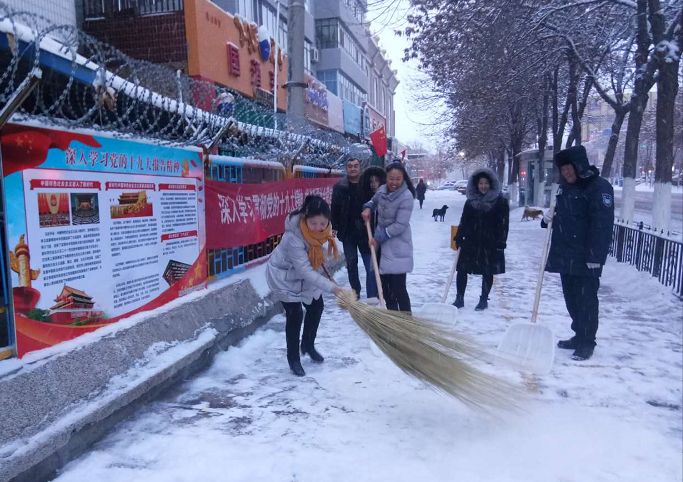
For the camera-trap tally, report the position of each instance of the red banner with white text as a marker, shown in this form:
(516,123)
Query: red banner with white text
(243,214)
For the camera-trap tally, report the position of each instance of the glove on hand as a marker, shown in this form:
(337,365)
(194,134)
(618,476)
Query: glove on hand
(548,216)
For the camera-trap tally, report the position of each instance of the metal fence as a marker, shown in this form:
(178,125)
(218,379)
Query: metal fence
(88,84)
(647,250)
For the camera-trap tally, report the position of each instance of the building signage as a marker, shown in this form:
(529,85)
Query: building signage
(352,119)
(373,119)
(335,113)
(233,52)
(315,102)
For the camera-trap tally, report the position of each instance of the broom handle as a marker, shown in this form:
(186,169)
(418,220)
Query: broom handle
(450,276)
(544,256)
(375,266)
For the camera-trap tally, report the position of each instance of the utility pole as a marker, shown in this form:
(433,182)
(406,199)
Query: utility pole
(277,65)
(295,84)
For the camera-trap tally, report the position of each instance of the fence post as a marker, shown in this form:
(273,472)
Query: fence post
(621,234)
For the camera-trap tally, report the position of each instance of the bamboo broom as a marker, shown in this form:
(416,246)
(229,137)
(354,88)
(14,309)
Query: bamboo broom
(433,353)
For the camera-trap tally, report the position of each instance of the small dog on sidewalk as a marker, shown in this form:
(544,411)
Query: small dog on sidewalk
(439,214)
(531,213)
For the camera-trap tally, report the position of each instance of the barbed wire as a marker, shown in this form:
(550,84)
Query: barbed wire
(89,84)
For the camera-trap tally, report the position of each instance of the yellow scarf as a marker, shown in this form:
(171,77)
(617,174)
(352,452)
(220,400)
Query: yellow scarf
(315,243)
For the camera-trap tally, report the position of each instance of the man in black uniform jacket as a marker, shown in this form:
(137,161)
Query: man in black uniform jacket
(582,233)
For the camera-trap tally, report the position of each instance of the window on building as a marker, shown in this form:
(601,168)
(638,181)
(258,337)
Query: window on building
(327,33)
(245,9)
(308,46)
(330,34)
(329,78)
(282,38)
(268,19)
(348,90)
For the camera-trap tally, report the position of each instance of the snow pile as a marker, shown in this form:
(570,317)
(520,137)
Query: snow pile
(616,417)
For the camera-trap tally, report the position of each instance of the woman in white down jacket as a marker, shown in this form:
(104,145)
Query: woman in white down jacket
(296,276)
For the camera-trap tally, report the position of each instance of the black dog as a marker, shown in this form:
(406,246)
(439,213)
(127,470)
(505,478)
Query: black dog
(438,214)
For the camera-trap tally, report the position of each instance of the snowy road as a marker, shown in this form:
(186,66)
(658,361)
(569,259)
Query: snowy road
(358,418)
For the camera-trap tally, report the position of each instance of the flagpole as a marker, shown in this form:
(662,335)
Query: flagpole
(277,66)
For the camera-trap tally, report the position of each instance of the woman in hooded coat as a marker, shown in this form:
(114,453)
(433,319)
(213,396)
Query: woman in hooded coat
(482,235)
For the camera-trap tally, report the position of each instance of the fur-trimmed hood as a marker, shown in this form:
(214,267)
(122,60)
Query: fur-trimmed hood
(472,189)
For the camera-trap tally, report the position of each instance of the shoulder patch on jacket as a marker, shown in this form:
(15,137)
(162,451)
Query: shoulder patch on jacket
(607,200)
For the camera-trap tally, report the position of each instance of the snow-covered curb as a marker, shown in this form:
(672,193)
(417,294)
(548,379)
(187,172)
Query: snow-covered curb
(57,403)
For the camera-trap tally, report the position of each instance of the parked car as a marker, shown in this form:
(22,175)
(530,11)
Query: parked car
(461,186)
(447,186)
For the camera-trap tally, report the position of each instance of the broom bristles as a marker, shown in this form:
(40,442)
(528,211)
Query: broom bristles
(433,353)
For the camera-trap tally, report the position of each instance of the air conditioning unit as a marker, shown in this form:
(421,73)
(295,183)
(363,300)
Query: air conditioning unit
(315,55)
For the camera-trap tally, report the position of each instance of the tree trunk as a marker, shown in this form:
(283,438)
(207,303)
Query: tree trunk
(635,118)
(619,116)
(572,100)
(576,134)
(543,135)
(500,164)
(667,89)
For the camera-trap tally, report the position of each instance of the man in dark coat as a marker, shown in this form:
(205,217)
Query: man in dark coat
(347,204)
(482,235)
(581,237)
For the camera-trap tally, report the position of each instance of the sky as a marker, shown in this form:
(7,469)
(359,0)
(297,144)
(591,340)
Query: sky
(412,123)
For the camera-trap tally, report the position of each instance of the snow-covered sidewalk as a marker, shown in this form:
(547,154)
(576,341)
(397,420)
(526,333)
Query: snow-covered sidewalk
(356,417)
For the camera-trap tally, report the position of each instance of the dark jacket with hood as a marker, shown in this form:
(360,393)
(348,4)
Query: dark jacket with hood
(483,230)
(583,219)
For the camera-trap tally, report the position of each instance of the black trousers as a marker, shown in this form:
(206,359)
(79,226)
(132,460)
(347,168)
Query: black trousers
(421,201)
(461,283)
(395,292)
(295,316)
(351,248)
(581,298)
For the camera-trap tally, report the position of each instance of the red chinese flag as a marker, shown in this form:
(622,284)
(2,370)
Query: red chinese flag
(379,141)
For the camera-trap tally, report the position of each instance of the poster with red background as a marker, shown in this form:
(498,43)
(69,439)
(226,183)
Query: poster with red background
(98,229)
(244,214)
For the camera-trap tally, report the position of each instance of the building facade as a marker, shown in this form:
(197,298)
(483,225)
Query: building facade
(351,84)
(58,12)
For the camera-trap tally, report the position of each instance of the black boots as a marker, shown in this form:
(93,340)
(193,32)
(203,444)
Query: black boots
(483,304)
(583,352)
(569,344)
(295,366)
(459,300)
(312,352)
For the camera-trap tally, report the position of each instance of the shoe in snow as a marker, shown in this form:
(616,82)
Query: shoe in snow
(313,353)
(583,352)
(569,344)
(482,305)
(459,301)
(296,368)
